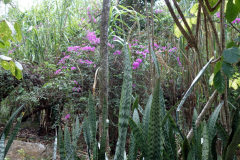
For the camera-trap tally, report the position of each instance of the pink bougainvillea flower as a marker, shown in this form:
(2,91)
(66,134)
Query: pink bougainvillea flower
(139,60)
(73,68)
(67,116)
(57,72)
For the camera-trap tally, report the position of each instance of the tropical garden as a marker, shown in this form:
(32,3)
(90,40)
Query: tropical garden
(124,79)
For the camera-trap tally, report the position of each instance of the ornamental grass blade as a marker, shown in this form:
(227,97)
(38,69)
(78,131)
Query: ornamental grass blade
(2,146)
(192,86)
(154,132)
(10,121)
(125,105)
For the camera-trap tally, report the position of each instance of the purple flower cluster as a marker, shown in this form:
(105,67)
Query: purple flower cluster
(85,61)
(73,68)
(91,36)
(173,49)
(58,71)
(110,45)
(137,63)
(117,52)
(79,49)
(237,20)
(67,116)
(63,59)
(77,89)
(158,11)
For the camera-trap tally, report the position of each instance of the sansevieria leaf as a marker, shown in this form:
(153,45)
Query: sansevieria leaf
(154,134)
(125,105)
(205,145)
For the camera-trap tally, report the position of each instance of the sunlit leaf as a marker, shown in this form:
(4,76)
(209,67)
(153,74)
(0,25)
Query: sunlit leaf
(194,20)
(217,67)
(5,65)
(234,85)
(12,67)
(211,79)
(5,31)
(18,73)
(18,31)
(2,45)
(5,58)
(194,9)
(6,1)
(19,65)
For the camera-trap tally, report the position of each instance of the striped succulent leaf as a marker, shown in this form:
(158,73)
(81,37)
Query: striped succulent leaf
(197,146)
(132,148)
(61,145)
(13,135)
(138,136)
(212,121)
(92,122)
(172,141)
(222,134)
(154,132)
(10,121)
(146,118)
(67,143)
(125,105)
(2,146)
(205,145)
(55,147)
(87,135)
(101,154)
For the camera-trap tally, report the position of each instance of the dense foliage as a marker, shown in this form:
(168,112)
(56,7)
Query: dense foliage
(188,62)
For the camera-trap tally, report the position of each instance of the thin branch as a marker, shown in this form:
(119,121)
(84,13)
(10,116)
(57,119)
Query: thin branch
(185,34)
(183,18)
(198,22)
(211,9)
(234,27)
(212,25)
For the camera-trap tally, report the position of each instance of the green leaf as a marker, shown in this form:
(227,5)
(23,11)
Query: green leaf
(6,1)
(2,45)
(217,67)
(7,44)
(237,3)
(222,134)
(177,31)
(219,82)
(231,11)
(5,65)
(227,69)
(231,55)
(5,31)
(18,73)
(18,32)
(231,44)
(238,38)
(12,68)
(135,103)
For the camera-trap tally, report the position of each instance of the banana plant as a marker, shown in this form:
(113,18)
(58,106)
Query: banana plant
(4,149)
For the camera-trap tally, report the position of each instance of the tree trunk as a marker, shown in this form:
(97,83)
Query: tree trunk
(103,73)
